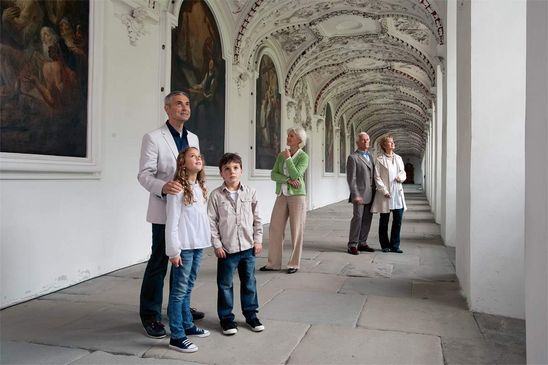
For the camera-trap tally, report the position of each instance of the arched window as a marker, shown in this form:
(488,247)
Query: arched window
(328,142)
(197,67)
(268,141)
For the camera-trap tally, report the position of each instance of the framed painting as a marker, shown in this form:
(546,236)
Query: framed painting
(342,149)
(197,67)
(45,116)
(328,142)
(267,116)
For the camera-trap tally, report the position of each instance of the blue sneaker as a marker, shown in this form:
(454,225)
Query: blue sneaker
(197,331)
(182,345)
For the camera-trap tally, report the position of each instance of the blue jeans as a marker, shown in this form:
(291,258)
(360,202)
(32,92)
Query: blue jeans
(152,287)
(245,262)
(182,282)
(394,241)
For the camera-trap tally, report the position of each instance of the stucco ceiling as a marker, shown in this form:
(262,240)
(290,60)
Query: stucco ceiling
(373,61)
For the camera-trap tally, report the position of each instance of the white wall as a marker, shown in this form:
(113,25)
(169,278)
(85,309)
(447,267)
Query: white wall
(55,233)
(462,239)
(58,232)
(536,175)
(449,140)
(496,181)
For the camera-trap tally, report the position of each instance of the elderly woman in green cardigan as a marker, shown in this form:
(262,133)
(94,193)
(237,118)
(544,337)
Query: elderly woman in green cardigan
(288,173)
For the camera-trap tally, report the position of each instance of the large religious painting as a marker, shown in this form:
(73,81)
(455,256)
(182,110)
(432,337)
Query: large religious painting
(342,149)
(352,138)
(44,77)
(268,116)
(328,153)
(197,67)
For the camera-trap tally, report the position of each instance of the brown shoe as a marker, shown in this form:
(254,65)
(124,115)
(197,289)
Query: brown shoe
(365,248)
(353,250)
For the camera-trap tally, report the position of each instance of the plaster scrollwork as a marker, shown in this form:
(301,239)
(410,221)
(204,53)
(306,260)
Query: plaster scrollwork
(291,107)
(135,19)
(241,80)
(303,107)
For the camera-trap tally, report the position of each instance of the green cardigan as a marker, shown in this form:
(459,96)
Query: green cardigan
(296,168)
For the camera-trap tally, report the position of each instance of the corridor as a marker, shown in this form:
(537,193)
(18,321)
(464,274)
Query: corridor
(374,308)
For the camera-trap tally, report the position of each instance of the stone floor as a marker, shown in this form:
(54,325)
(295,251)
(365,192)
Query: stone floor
(375,308)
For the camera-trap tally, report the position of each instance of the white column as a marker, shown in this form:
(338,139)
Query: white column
(536,184)
(449,137)
(438,146)
(491,141)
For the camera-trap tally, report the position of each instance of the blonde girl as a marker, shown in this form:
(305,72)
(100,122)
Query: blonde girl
(187,234)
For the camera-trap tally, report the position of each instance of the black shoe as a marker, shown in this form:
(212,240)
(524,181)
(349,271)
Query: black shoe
(229,327)
(196,314)
(385,250)
(292,270)
(396,250)
(366,248)
(353,250)
(255,324)
(154,329)
(264,268)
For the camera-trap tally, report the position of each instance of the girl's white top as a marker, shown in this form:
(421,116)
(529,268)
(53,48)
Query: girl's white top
(187,226)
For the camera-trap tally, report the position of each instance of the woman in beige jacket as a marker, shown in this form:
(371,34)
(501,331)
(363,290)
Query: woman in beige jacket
(389,176)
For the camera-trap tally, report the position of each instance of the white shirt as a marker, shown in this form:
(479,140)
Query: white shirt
(286,173)
(396,201)
(187,226)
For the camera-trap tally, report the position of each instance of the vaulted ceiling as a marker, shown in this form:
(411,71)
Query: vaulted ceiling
(373,61)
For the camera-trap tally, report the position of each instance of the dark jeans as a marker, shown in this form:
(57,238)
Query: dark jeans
(152,288)
(394,241)
(245,262)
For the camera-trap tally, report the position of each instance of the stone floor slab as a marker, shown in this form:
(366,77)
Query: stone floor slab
(381,287)
(418,316)
(315,307)
(13,353)
(368,270)
(458,351)
(112,329)
(338,345)
(441,292)
(104,358)
(272,346)
(308,281)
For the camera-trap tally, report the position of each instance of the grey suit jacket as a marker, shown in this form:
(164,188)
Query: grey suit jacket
(360,175)
(157,166)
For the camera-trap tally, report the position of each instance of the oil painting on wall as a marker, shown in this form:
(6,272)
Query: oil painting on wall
(342,150)
(328,140)
(268,116)
(197,67)
(44,77)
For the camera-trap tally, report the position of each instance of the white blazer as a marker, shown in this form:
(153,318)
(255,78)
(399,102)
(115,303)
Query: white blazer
(157,166)
(381,204)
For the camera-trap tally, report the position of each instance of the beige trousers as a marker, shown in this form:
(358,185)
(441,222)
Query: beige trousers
(294,208)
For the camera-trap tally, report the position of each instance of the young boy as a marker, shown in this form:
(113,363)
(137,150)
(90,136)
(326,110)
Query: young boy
(236,235)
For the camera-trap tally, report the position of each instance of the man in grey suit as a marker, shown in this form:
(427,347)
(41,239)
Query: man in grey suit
(360,170)
(157,164)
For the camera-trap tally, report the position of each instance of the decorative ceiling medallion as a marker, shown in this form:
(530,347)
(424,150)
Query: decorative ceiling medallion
(347,25)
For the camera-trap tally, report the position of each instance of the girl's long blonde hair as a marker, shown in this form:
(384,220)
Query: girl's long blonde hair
(181,175)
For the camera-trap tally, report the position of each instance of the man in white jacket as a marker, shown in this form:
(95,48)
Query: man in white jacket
(159,150)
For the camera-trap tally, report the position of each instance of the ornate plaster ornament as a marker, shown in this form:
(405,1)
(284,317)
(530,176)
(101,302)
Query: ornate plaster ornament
(134,21)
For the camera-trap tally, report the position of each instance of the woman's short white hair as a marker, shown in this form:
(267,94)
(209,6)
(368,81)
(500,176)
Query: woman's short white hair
(300,133)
